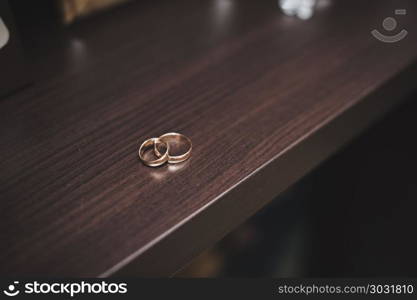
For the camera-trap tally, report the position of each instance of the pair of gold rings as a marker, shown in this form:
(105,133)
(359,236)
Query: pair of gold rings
(164,156)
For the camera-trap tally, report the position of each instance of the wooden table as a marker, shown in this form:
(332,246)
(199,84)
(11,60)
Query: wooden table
(264,97)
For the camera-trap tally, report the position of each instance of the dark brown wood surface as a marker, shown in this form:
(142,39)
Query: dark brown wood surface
(264,97)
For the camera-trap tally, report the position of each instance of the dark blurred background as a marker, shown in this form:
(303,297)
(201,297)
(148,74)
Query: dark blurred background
(353,216)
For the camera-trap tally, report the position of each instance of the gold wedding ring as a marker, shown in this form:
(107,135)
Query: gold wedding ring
(162,157)
(177,138)
(165,156)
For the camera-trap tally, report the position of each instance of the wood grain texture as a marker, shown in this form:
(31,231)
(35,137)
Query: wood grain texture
(265,98)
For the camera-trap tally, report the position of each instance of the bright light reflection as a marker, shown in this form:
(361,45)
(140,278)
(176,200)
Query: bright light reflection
(162,172)
(303,9)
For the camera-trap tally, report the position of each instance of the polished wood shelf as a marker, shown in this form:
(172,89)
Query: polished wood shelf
(264,97)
